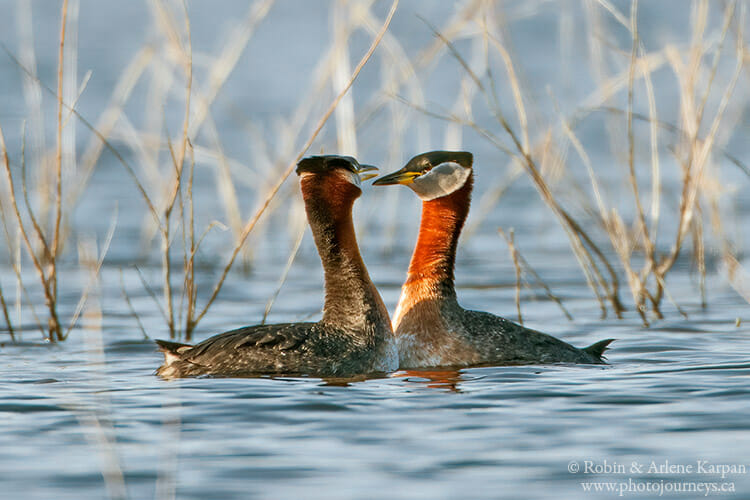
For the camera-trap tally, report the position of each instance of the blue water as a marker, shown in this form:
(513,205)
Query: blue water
(677,396)
(87,419)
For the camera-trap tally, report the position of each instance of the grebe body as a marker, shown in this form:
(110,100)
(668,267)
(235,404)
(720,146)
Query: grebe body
(353,337)
(431,328)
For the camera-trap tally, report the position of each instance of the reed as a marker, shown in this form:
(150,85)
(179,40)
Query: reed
(509,239)
(6,316)
(44,246)
(523,271)
(46,261)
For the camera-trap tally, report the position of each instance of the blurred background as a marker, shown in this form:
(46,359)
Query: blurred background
(609,136)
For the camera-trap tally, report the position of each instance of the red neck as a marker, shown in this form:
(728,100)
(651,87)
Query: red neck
(434,256)
(351,301)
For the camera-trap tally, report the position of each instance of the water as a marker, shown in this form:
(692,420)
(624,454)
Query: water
(87,419)
(76,413)
(677,396)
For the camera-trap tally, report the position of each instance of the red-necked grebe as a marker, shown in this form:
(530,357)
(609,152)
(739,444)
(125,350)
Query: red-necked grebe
(431,328)
(353,337)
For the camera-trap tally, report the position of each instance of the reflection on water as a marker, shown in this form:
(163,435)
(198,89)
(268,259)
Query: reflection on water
(435,379)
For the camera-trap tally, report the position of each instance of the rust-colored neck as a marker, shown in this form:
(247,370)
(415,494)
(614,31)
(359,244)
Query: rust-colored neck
(351,300)
(432,264)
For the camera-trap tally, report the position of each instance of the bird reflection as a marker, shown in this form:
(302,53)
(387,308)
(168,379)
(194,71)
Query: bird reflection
(347,381)
(445,379)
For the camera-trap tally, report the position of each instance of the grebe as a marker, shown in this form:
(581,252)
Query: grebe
(353,337)
(431,328)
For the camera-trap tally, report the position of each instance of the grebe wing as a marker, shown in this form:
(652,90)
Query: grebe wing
(278,337)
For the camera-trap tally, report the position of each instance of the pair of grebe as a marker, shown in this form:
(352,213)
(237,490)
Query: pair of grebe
(355,335)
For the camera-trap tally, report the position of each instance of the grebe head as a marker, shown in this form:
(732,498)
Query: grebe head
(330,184)
(344,167)
(433,175)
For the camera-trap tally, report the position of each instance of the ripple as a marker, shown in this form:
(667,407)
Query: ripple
(29,408)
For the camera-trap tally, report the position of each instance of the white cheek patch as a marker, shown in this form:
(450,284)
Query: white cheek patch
(440,181)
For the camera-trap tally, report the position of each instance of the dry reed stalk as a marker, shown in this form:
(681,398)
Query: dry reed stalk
(639,293)
(131,308)
(615,84)
(94,264)
(517,266)
(32,91)
(130,76)
(16,265)
(226,61)
(616,14)
(54,332)
(694,166)
(54,325)
(48,281)
(677,131)
(521,264)
(107,144)
(190,249)
(395,63)
(547,290)
(588,253)
(72,90)
(35,224)
(451,30)
(699,253)
(8,323)
(178,161)
(288,136)
(344,114)
(397,67)
(150,291)
(73,103)
(285,272)
(402,71)
(738,277)
(46,252)
(653,122)
(89,308)
(607,218)
(225,186)
(46,265)
(516,90)
(659,266)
